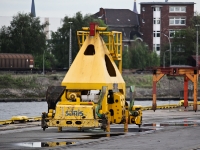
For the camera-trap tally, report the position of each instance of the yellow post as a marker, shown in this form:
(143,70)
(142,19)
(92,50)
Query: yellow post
(120,49)
(126,121)
(59,129)
(104,101)
(108,124)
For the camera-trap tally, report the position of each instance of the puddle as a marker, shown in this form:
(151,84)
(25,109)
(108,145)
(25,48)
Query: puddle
(72,140)
(113,130)
(94,136)
(98,136)
(44,144)
(130,129)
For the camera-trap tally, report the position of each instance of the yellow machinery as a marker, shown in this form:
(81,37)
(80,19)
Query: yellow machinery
(92,93)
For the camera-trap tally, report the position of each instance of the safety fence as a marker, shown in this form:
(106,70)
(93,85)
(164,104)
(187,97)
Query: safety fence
(20,119)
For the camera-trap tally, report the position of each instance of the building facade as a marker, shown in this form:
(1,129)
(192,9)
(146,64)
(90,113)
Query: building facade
(160,20)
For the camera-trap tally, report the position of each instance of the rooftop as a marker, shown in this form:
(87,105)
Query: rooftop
(121,17)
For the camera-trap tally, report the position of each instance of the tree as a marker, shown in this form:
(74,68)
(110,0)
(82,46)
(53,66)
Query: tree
(60,39)
(49,61)
(126,59)
(141,57)
(24,35)
(183,46)
(184,42)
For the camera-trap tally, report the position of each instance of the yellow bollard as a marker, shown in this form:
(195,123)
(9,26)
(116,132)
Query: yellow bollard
(59,129)
(126,121)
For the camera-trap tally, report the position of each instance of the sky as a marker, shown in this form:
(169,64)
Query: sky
(61,8)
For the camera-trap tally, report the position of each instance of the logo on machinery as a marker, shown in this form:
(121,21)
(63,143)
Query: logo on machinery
(74,113)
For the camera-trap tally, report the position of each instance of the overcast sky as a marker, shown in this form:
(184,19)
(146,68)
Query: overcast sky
(61,8)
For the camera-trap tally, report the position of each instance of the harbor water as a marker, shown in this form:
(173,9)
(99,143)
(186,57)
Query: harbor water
(33,109)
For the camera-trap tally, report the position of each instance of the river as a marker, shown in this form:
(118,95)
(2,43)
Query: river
(32,109)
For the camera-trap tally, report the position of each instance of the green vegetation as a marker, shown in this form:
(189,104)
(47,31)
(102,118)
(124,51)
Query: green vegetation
(27,86)
(31,81)
(138,56)
(60,39)
(35,86)
(18,82)
(140,81)
(25,35)
(183,43)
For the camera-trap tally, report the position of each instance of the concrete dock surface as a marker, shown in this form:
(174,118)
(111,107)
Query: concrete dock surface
(174,129)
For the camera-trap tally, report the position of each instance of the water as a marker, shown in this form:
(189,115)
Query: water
(33,109)
(29,109)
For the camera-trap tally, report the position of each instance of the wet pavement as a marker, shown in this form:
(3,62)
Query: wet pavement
(163,129)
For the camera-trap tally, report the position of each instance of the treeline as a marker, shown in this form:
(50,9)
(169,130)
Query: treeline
(26,34)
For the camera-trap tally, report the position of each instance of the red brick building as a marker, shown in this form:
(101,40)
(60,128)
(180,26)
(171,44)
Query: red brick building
(160,20)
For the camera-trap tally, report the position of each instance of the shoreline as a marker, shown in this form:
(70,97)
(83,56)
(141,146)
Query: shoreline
(22,100)
(5,100)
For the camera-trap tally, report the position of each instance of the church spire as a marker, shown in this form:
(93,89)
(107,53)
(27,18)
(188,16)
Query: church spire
(135,7)
(33,9)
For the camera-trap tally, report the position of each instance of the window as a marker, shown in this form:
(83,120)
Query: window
(156,47)
(156,9)
(177,33)
(156,33)
(181,9)
(143,8)
(171,33)
(156,20)
(179,48)
(177,21)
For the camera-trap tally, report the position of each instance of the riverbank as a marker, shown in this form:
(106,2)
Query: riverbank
(33,87)
(22,100)
(43,99)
